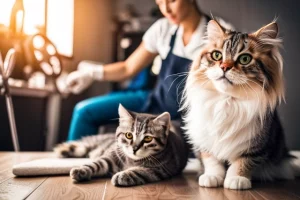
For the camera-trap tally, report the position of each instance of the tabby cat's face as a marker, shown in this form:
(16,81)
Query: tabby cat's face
(142,135)
(240,64)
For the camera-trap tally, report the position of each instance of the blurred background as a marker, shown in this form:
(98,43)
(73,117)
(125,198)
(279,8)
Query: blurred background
(69,31)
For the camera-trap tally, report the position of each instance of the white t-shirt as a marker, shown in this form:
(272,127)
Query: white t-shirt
(158,36)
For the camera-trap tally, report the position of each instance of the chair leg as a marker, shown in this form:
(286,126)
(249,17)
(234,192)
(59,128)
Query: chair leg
(12,122)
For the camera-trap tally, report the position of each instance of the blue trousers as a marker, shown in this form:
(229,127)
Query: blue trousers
(89,114)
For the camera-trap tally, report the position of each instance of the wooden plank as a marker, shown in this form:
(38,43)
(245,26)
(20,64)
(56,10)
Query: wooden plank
(5,154)
(19,188)
(62,187)
(242,194)
(181,187)
(7,161)
(203,193)
(5,175)
(292,187)
(278,190)
(176,188)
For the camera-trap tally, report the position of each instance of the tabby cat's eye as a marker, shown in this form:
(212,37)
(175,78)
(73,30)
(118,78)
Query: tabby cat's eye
(148,139)
(216,55)
(128,135)
(245,59)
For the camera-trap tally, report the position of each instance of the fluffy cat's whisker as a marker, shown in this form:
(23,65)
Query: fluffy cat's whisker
(256,84)
(257,95)
(178,74)
(172,83)
(179,94)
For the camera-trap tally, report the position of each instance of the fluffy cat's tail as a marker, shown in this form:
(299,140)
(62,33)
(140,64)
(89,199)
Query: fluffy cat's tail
(295,163)
(287,169)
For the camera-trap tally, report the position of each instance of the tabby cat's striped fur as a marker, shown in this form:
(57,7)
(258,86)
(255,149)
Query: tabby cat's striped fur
(145,151)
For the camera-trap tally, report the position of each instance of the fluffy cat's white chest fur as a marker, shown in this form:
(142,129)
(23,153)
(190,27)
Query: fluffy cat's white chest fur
(220,124)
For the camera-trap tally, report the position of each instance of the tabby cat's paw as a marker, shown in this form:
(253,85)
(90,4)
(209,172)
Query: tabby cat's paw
(210,180)
(80,174)
(126,178)
(71,150)
(237,183)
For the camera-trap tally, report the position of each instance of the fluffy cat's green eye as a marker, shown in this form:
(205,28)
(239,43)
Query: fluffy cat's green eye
(216,55)
(245,59)
(148,139)
(128,135)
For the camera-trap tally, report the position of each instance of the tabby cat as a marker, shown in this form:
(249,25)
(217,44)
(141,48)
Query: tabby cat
(231,95)
(143,150)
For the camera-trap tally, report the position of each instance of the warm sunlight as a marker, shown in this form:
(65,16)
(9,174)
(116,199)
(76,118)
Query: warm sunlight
(34,15)
(60,20)
(5,8)
(60,25)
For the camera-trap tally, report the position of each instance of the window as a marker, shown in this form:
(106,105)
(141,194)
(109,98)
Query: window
(57,24)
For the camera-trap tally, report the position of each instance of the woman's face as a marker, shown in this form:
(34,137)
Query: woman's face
(175,10)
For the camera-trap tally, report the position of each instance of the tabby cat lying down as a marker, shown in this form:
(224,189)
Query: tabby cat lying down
(143,150)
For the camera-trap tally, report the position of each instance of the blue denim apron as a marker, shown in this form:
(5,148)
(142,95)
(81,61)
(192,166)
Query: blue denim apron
(167,94)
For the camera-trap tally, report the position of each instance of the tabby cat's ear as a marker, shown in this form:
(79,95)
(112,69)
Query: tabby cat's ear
(214,30)
(123,113)
(269,31)
(163,119)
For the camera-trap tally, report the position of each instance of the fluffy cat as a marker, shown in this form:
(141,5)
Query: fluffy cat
(231,95)
(143,150)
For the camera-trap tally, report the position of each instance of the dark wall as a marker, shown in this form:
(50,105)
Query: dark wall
(249,15)
(30,122)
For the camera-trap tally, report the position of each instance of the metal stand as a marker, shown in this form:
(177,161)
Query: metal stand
(5,71)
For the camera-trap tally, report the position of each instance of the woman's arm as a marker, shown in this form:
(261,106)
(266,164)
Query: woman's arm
(138,60)
(81,79)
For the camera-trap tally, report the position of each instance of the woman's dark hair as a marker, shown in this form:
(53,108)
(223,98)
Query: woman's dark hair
(197,7)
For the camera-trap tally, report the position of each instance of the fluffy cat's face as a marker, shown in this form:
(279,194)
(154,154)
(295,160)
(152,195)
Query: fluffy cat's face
(142,135)
(239,64)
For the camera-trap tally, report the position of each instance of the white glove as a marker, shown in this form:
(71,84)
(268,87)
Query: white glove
(86,73)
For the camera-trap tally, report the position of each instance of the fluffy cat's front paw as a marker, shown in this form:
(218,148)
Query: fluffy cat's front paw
(71,150)
(210,180)
(126,178)
(80,174)
(237,183)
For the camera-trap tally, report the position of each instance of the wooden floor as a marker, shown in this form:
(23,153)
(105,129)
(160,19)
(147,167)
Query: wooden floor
(182,187)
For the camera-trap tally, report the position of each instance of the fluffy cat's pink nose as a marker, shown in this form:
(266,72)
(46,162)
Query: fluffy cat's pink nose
(226,66)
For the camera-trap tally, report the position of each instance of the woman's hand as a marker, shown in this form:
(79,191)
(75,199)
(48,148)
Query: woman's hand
(89,71)
(81,79)
(78,81)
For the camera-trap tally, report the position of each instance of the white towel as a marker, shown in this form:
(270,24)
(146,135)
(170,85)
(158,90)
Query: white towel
(62,166)
(48,166)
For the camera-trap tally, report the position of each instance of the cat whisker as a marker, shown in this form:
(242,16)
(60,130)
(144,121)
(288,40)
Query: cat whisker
(172,84)
(256,83)
(178,74)
(247,84)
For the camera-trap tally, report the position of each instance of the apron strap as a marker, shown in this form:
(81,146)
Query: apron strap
(172,42)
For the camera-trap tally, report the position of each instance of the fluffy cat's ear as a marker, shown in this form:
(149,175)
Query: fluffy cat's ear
(269,31)
(163,119)
(123,113)
(214,30)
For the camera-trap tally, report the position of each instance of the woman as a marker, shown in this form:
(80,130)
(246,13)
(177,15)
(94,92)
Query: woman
(177,39)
